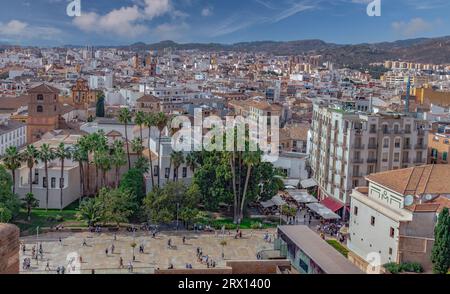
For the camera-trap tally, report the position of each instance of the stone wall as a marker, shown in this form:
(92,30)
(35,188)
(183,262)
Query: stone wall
(9,249)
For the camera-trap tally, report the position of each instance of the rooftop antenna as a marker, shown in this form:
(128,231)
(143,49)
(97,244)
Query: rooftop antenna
(408,95)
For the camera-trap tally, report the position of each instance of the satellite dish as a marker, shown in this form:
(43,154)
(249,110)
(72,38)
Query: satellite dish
(409,200)
(428,197)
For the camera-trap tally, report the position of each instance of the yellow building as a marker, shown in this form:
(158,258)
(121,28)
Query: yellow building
(427,96)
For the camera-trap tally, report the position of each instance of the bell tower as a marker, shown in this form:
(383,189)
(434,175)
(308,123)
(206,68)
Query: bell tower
(43,111)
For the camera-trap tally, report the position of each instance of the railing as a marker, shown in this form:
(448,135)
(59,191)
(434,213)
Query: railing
(372,160)
(359,147)
(357,160)
(419,146)
(407,147)
(373,146)
(419,161)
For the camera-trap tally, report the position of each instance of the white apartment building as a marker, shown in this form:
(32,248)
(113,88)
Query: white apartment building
(101,82)
(12,133)
(393,219)
(347,145)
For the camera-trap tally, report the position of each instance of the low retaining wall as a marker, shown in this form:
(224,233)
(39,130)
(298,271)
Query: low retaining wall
(9,249)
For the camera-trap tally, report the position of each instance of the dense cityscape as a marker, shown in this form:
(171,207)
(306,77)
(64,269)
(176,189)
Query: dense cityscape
(162,159)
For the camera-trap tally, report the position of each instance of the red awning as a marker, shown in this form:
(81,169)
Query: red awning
(332,204)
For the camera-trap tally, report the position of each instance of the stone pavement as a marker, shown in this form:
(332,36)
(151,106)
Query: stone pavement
(156,252)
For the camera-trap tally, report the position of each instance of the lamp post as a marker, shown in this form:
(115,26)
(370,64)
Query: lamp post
(178,207)
(37,245)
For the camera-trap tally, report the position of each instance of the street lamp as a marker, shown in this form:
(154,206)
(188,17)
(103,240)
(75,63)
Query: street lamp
(37,245)
(178,207)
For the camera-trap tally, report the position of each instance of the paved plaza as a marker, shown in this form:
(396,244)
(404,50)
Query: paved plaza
(156,252)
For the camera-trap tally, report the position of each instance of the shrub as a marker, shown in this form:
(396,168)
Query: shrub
(409,267)
(393,268)
(255,226)
(336,245)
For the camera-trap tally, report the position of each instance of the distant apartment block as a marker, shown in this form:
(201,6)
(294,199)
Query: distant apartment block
(346,146)
(12,133)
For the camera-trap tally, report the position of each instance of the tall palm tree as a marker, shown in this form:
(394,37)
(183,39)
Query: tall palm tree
(177,158)
(84,149)
(191,162)
(12,162)
(149,123)
(46,155)
(30,156)
(80,155)
(125,118)
(118,159)
(250,159)
(30,202)
(104,164)
(62,153)
(137,147)
(161,121)
(140,121)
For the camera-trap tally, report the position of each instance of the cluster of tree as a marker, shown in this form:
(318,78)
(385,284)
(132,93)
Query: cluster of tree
(163,205)
(9,203)
(110,206)
(235,178)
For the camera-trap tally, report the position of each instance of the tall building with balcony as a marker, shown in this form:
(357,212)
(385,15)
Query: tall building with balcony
(346,146)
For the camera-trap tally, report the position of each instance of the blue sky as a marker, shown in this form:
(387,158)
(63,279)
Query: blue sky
(115,22)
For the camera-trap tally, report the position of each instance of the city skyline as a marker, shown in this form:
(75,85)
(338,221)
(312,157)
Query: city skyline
(112,23)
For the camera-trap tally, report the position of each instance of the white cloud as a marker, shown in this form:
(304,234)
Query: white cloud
(125,21)
(18,31)
(207,11)
(413,27)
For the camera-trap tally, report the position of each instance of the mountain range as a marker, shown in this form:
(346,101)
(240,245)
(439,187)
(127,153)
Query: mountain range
(422,50)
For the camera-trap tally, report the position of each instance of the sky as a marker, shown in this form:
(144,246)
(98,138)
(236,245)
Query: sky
(122,22)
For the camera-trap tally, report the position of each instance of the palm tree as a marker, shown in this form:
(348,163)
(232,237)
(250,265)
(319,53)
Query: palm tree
(125,118)
(104,164)
(140,121)
(177,158)
(161,121)
(12,161)
(46,155)
(30,202)
(250,159)
(191,162)
(137,147)
(30,155)
(118,159)
(149,123)
(62,153)
(84,147)
(80,155)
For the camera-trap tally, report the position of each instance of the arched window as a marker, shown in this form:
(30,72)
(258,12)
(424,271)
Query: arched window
(40,108)
(40,97)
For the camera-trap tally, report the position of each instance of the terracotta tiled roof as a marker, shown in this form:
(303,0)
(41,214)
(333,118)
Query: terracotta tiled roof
(44,88)
(147,98)
(427,179)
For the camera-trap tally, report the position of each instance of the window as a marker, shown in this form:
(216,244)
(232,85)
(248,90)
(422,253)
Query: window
(397,143)
(355,210)
(155,170)
(372,220)
(373,129)
(53,183)
(390,251)
(184,172)
(444,156)
(40,97)
(386,143)
(408,129)
(44,182)
(167,173)
(40,108)
(392,232)
(61,183)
